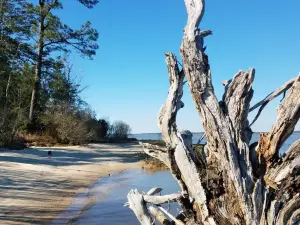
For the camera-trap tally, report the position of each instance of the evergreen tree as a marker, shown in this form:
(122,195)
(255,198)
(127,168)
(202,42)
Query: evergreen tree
(52,35)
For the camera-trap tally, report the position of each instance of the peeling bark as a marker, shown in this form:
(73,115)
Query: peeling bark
(286,166)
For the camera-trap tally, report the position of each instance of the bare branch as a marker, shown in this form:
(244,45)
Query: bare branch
(176,221)
(181,155)
(168,112)
(201,139)
(159,216)
(137,204)
(157,152)
(262,104)
(288,116)
(205,33)
(154,191)
(157,200)
(195,11)
(237,99)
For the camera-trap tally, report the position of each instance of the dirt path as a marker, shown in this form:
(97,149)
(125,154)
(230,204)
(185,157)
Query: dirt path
(35,188)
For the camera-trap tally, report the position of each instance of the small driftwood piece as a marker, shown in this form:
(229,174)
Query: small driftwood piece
(136,203)
(154,191)
(158,200)
(157,152)
(176,221)
(159,215)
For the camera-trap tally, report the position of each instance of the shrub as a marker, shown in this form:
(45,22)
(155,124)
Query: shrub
(70,125)
(119,130)
(66,125)
(98,129)
(11,121)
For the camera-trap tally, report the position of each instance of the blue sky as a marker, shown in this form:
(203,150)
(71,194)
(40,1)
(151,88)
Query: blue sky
(128,80)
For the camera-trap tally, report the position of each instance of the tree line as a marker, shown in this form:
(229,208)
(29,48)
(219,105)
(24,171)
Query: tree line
(39,91)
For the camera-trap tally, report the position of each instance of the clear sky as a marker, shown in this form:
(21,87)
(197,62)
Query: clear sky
(128,80)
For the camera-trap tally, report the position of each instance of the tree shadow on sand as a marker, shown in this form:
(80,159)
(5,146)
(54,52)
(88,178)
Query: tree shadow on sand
(29,186)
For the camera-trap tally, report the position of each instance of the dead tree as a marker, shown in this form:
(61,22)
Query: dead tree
(236,183)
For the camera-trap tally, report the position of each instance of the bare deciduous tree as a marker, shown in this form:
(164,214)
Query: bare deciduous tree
(236,183)
(119,130)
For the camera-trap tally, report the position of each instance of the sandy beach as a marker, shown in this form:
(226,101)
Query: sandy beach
(34,189)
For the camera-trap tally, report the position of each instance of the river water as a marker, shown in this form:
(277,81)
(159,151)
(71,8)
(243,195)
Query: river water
(102,203)
(110,194)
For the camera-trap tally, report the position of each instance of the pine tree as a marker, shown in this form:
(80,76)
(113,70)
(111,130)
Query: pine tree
(52,35)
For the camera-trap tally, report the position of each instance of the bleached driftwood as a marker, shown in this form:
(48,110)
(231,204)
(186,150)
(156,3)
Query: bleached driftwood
(238,183)
(157,200)
(136,203)
(154,191)
(157,152)
(262,104)
(176,221)
(159,216)
(286,166)
(288,116)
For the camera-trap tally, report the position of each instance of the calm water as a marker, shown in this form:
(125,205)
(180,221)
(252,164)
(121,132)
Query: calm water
(196,137)
(111,194)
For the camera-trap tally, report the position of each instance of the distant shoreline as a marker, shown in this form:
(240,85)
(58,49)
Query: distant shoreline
(255,132)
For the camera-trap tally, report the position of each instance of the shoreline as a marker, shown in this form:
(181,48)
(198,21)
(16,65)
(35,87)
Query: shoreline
(35,189)
(87,199)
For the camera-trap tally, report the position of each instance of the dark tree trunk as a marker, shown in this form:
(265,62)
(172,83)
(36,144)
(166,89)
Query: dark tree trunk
(38,68)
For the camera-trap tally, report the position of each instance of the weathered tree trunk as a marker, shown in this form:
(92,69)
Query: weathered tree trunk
(235,183)
(38,66)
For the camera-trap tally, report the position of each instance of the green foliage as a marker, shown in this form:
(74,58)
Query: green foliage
(63,87)
(57,36)
(14,73)
(49,36)
(89,3)
(14,99)
(67,118)
(33,47)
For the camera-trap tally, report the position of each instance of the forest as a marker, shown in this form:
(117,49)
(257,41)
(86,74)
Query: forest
(40,93)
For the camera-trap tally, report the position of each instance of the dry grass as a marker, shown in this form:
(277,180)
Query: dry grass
(36,139)
(153,164)
(155,142)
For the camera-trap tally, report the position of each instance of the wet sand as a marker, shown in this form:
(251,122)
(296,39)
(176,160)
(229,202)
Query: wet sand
(34,189)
